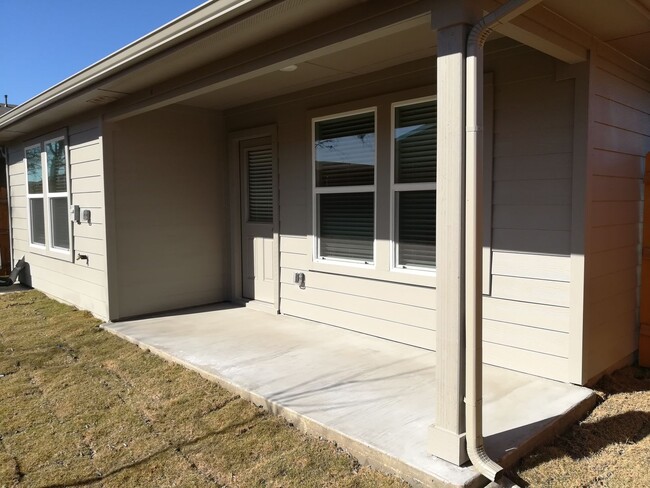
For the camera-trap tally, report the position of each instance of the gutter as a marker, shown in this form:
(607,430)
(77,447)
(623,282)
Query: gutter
(473,236)
(203,17)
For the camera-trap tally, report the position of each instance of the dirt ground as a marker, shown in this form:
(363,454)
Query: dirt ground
(611,447)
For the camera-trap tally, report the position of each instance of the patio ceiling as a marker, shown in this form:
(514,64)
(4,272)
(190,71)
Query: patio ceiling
(415,40)
(622,24)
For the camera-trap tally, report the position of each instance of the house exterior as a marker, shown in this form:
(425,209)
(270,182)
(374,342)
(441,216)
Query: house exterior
(308,157)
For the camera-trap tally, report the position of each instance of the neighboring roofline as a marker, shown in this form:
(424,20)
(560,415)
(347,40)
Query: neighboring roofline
(206,15)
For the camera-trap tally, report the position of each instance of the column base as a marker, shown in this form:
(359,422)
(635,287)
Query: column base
(447,445)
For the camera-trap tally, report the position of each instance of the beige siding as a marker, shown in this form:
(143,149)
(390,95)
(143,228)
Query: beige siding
(169,193)
(79,283)
(619,121)
(375,302)
(526,323)
(527,314)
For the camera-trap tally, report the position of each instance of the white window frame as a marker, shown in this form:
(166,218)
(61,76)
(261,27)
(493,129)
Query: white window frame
(34,196)
(404,187)
(316,191)
(49,249)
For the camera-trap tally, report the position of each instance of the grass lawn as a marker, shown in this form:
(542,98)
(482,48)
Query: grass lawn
(79,406)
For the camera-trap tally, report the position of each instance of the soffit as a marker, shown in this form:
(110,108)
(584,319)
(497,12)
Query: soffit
(243,33)
(623,24)
(415,42)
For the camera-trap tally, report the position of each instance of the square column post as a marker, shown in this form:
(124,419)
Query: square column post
(447,435)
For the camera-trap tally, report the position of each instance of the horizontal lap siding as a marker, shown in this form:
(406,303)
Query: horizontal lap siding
(376,303)
(620,137)
(169,190)
(400,312)
(526,316)
(79,283)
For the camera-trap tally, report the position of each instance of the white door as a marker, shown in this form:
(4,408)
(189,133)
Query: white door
(258,206)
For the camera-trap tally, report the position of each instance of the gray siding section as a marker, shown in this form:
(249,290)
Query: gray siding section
(83,285)
(169,192)
(619,110)
(526,316)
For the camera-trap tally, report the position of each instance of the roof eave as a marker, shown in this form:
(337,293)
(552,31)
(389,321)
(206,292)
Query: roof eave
(203,17)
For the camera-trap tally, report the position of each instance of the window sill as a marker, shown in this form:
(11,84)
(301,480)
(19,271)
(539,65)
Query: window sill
(370,272)
(51,253)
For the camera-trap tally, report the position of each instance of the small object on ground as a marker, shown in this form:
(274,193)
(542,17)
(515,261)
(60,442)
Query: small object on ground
(11,279)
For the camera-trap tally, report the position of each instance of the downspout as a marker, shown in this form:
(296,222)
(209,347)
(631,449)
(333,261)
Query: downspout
(473,234)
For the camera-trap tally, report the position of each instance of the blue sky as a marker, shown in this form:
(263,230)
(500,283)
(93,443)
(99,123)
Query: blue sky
(42,42)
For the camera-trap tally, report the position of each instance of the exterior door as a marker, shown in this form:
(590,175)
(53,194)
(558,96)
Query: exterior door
(257,163)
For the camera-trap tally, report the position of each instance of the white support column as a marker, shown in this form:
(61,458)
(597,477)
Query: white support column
(447,435)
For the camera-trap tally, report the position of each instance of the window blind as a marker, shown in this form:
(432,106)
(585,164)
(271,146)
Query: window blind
(345,151)
(346,225)
(260,185)
(415,175)
(416,228)
(415,143)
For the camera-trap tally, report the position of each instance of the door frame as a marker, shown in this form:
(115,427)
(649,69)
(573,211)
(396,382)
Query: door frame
(234,141)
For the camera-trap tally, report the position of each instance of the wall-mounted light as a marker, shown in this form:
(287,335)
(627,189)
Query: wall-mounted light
(289,69)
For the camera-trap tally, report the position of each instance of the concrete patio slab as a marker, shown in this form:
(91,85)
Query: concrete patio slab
(373,397)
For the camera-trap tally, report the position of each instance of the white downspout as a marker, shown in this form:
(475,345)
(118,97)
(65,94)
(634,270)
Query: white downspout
(473,234)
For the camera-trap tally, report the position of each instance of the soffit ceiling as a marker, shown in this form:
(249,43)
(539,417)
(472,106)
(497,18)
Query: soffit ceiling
(255,28)
(415,42)
(623,24)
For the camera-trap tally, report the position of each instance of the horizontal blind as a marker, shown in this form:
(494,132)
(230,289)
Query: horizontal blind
(37,220)
(415,143)
(345,151)
(60,218)
(346,225)
(260,185)
(417,228)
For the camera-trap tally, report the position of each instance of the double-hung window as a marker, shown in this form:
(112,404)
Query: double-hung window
(48,196)
(344,186)
(414,184)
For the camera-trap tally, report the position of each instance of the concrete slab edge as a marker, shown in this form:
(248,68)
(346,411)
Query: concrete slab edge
(554,428)
(364,453)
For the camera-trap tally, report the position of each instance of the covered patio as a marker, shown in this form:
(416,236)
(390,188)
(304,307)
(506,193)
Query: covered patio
(375,398)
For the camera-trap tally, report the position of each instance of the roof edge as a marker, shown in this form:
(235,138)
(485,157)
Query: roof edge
(206,15)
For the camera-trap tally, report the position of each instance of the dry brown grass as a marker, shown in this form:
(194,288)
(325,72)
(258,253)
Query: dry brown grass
(80,407)
(611,447)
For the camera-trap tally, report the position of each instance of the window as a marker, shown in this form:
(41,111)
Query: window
(344,187)
(260,185)
(47,196)
(414,184)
